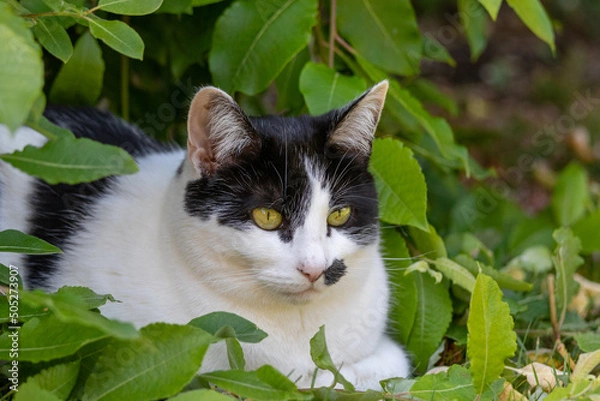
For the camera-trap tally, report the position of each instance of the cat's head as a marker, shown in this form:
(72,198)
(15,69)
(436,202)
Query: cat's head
(283,207)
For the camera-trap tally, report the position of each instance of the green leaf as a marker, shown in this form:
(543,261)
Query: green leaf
(157,365)
(86,67)
(130,7)
(198,3)
(201,395)
(570,194)
(268,35)
(58,379)
(264,384)
(403,289)
(118,35)
(491,337)
(225,325)
(437,128)
(428,242)
(473,19)
(42,125)
(176,7)
(320,356)
(71,161)
(503,279)
(454,385)
(400,184)
(53,37)
(492,7)
(31,391)
(586,229)
(588,342)
(47,338)
(384,32)
(235,354)
(21,69)
(433,50)
(458,274)
(8,276)
(532,13)
(70,307)
(427,91)
(325,89)
(289,97)
(18,242)
(434,313)
(85,296)
(566,260)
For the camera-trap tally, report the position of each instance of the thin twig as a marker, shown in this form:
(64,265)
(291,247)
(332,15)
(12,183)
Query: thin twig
(332,32)
(345,44)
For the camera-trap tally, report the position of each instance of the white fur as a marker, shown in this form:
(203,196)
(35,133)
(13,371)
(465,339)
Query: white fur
(167,266)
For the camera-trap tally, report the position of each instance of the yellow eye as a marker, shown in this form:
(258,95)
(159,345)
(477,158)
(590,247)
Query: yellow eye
(267,219)
(339,217)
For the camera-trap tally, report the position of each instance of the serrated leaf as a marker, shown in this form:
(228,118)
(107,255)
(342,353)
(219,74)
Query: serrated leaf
(21,69)
(434,313)
(85,295)
(454,385)
(53,37)
(255,385)
(400,184)
(325,89)
(532,13)
(72,161)
(118,35)
(566,260)
(268,35)
(491,337)
(403,291)
(58,379)
(384,32)
(18,242)
(226,324)
(570,194)
(203,395)
(130,7)
(157,365)
(473,20)
(47,338)
(321,357)
(86,67)
(586,229)
(588,342)
(458,274)
(492,7)
(69,307)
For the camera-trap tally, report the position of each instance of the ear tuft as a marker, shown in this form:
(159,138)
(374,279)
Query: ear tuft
(355,130)
(218,131)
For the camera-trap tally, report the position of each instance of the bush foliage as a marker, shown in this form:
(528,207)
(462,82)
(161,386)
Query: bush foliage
(477,284)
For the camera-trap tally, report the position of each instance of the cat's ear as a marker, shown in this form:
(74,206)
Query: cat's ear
(218,131)
(356,124)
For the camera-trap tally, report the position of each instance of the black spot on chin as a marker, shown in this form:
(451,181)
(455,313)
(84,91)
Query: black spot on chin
(335,272)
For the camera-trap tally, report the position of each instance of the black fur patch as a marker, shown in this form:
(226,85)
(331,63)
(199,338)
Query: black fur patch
(335,272)
(58,211)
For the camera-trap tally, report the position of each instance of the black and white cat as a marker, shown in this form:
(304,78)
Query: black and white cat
(272,218)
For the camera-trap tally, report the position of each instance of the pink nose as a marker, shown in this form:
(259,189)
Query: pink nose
(312,273)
